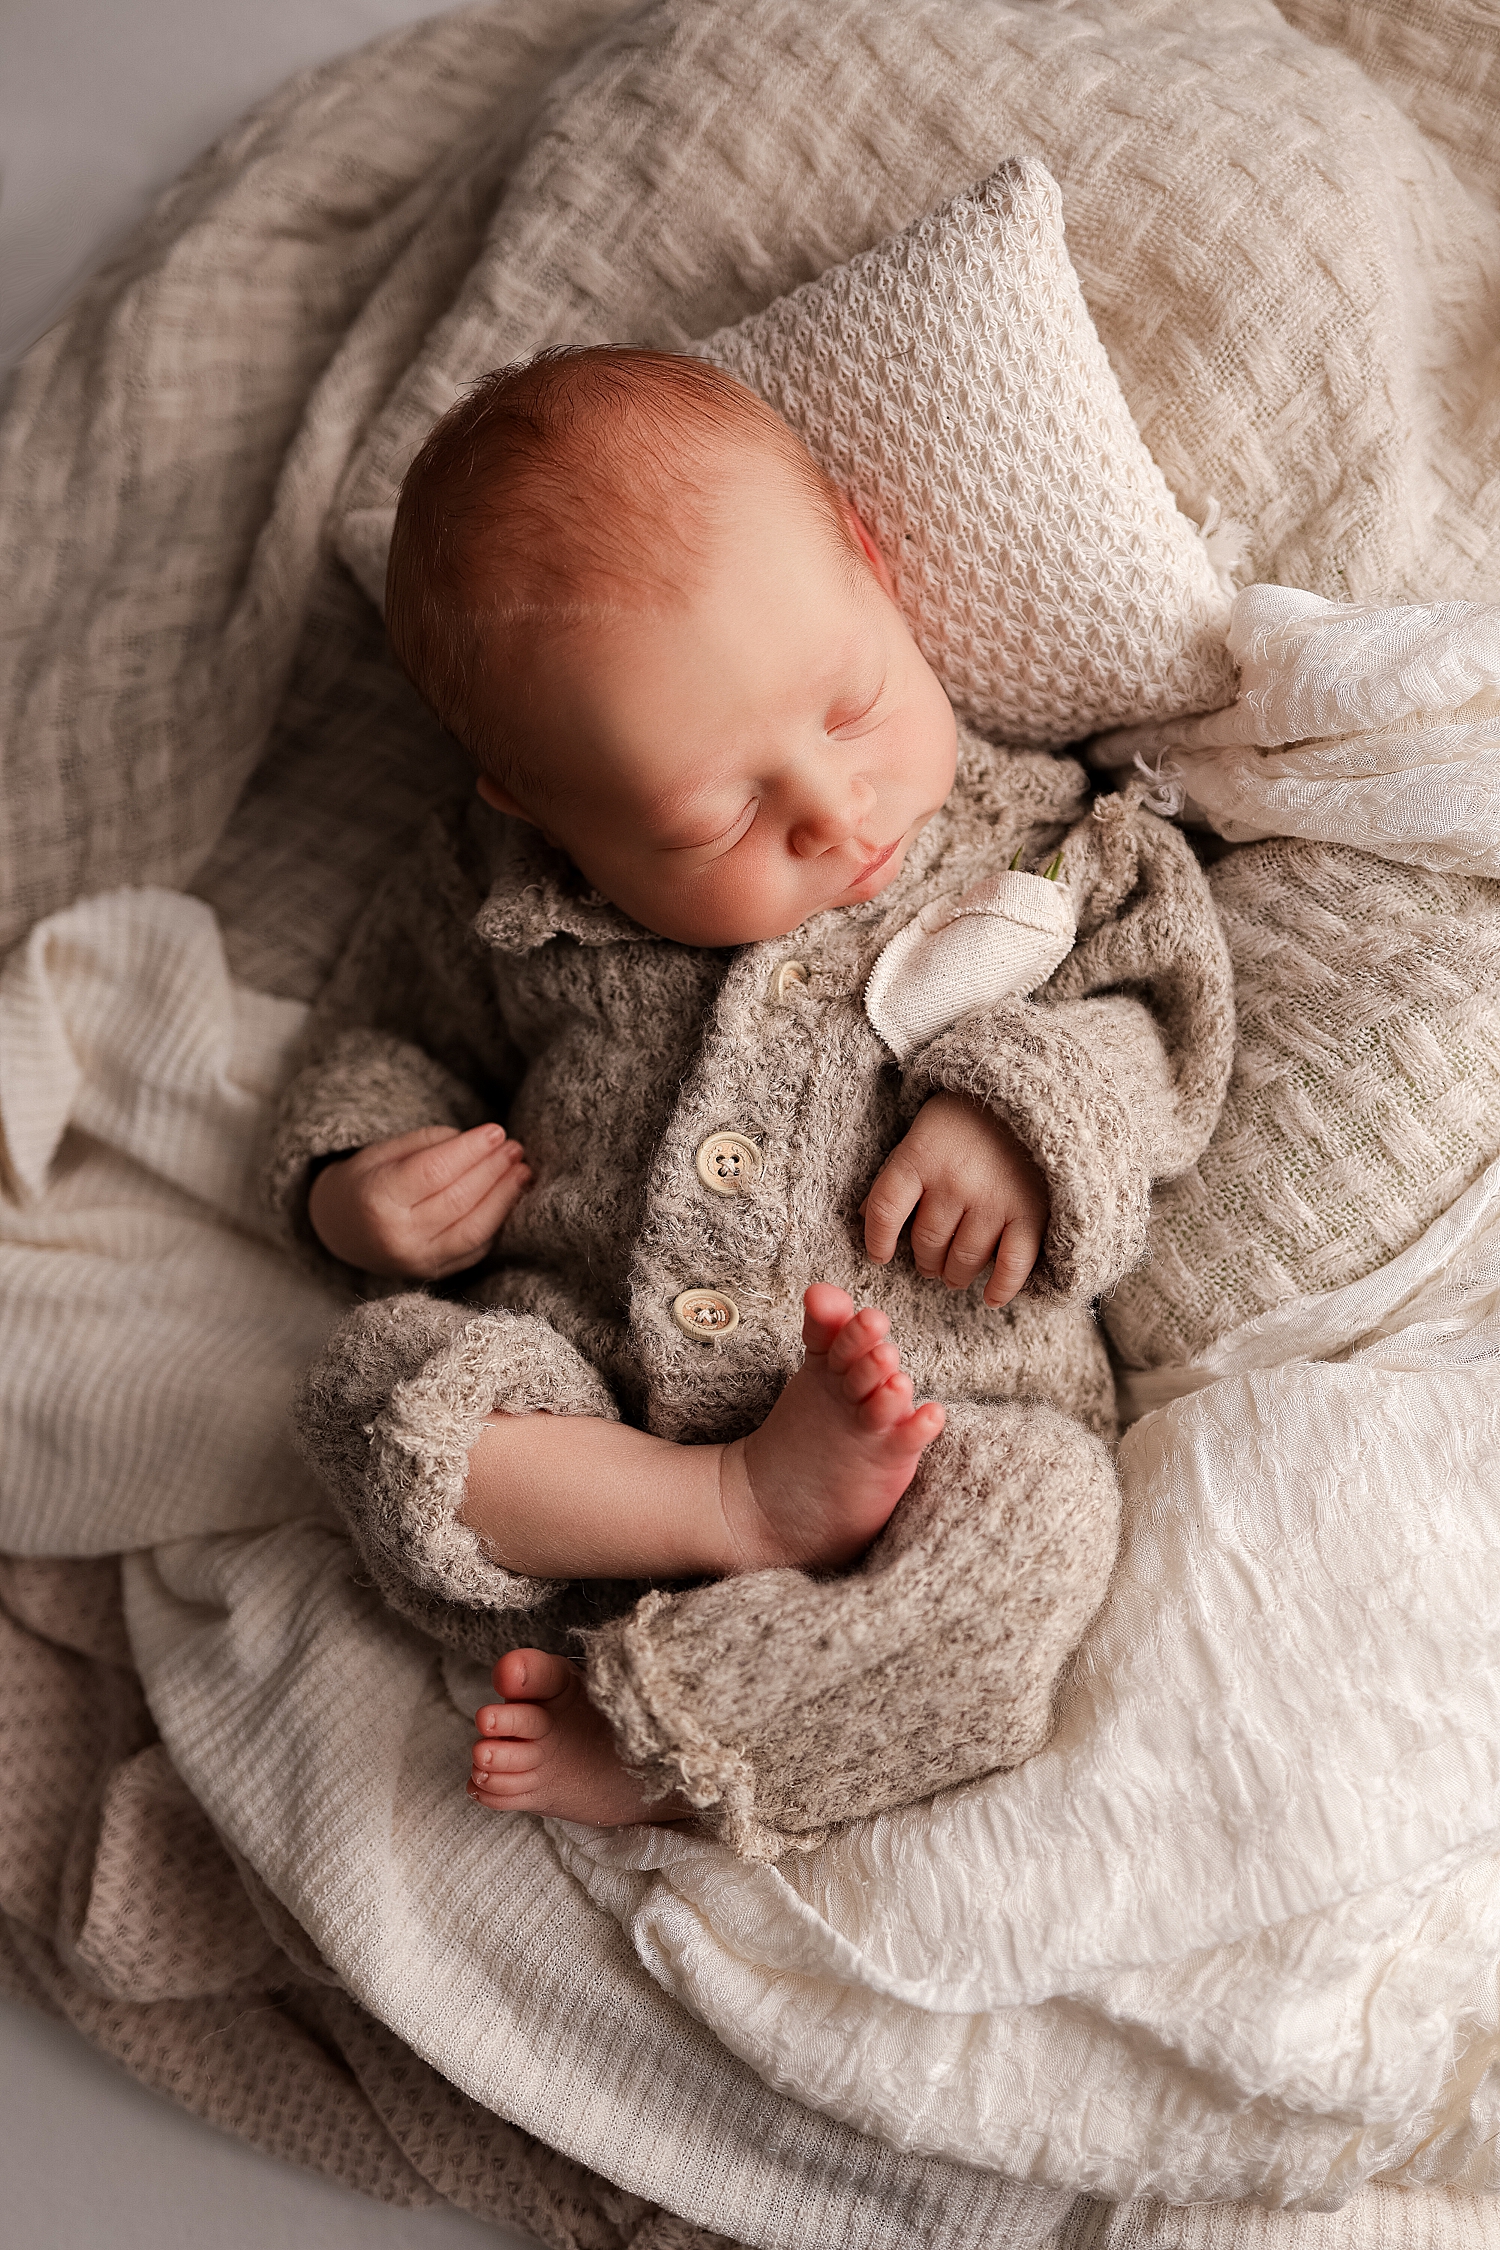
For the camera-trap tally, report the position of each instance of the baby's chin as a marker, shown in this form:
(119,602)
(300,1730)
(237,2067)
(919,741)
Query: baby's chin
(723,931)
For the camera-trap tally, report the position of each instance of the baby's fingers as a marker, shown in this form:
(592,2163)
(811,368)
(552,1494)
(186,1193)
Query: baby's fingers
(1016,1253)
(442,1167)
(932,1231)
(974,1244)
(467,1239)
(888,1206)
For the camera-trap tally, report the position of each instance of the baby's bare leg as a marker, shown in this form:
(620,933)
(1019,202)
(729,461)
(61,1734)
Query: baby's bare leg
(569,1497)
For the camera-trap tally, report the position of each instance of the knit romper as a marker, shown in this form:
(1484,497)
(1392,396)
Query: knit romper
(702,1127)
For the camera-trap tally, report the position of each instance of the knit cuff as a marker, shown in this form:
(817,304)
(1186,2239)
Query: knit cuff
(661,1739)
(780,1704)
(1053,1075)
(367,1087)
(388,1415)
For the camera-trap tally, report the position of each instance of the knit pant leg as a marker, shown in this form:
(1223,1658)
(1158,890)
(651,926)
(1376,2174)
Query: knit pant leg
(781,1702)
(387,1415)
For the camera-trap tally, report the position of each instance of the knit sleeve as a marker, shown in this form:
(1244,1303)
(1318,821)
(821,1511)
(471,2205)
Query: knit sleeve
(1112,1075)
(406,1033)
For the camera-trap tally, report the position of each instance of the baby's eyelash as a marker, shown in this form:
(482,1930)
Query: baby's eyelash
(727,837)
(839,717)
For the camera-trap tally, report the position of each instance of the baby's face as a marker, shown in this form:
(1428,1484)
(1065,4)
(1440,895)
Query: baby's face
(762,749)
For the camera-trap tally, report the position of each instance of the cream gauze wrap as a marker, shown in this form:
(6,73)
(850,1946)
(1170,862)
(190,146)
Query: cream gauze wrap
(1244,1901)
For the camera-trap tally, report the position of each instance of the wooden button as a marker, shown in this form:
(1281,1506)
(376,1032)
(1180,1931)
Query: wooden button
(787,978)
(705,1314)
(728,1162)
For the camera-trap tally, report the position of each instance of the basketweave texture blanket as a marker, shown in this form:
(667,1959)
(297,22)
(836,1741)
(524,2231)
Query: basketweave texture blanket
(1244,206)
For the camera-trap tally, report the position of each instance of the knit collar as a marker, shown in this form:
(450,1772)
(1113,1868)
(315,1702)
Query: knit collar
(537,893)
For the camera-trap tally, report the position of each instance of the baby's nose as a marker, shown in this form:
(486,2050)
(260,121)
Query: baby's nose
(823,827)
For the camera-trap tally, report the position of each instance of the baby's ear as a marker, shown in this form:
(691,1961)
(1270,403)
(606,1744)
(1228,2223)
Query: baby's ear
(495,794)
(873,555)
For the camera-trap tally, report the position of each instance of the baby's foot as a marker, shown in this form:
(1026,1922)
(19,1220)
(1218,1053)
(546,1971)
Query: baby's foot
(825,1469)
(545,1749)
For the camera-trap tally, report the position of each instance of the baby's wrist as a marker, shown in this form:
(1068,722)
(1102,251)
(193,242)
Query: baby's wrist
(326,1214)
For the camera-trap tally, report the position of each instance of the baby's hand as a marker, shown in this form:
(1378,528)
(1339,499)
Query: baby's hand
(424,1205)
(976,1194)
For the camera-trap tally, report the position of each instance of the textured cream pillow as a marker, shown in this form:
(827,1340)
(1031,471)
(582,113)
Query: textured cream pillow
(952,383)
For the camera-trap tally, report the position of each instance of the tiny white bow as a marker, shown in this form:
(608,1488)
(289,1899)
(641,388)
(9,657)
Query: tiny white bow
(1003,937)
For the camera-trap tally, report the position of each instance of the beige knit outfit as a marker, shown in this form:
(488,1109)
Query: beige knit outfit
(486,980)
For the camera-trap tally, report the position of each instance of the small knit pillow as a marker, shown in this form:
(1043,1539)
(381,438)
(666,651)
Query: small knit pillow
(952,383)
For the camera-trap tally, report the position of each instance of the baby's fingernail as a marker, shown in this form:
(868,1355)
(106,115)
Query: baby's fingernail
(494,1134)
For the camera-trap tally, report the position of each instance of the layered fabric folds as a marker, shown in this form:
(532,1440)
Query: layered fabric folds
(1283,1986)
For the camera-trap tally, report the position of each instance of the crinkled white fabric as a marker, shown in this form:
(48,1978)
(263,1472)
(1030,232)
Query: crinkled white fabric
(1004,936)
(1234,1932)
(149,1336)
(1354,724)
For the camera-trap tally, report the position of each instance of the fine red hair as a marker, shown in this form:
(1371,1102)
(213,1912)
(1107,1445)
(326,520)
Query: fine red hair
(555,492)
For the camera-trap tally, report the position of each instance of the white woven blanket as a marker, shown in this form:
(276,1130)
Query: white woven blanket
(1226,1935)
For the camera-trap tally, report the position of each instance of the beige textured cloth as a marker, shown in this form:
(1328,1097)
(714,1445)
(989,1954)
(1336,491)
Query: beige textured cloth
(486,979)
(1366,945)
(122,1911)
(1365,1094)
(688,172)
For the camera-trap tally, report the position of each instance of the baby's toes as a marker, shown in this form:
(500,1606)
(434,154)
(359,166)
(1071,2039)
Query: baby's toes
(500,1768)
(531,1675)
(866,1374)
(889,1403)
(859,1334)
(515,1722)
(504,1757)
(825,1310)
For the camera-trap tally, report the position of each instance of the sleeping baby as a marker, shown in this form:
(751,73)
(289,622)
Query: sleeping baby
(751,1409)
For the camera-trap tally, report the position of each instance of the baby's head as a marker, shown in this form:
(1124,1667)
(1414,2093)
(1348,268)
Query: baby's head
(624,584)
